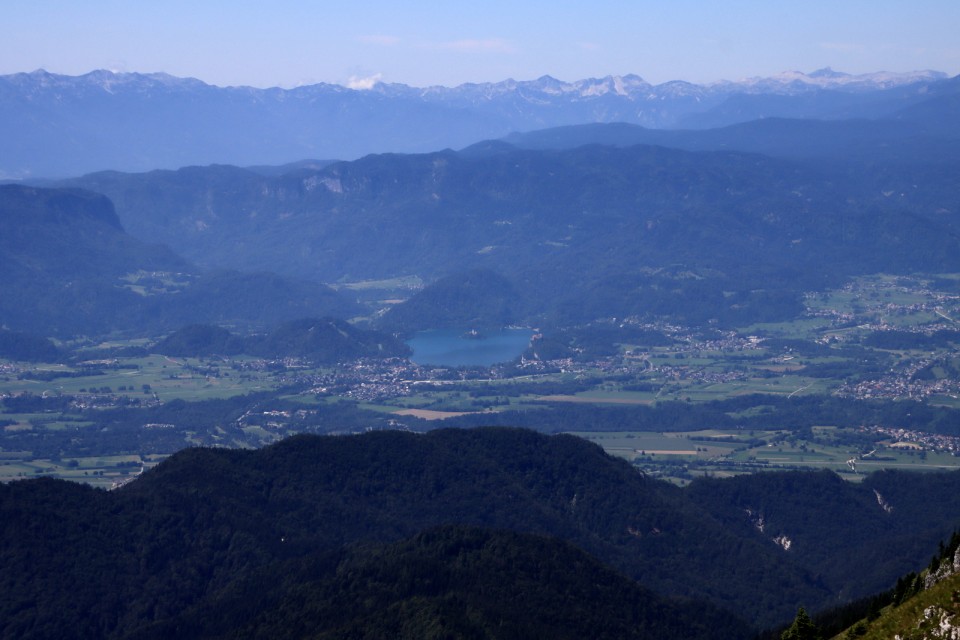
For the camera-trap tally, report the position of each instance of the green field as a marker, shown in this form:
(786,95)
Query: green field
(820,356)
(104,471)
(679,457)
(154,376)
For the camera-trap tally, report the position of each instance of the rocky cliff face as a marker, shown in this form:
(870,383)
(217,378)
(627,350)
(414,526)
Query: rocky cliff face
(947,568)
(940,620)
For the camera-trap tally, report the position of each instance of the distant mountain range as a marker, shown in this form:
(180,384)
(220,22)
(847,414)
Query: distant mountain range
(583,222)
(558,226)
(57,126)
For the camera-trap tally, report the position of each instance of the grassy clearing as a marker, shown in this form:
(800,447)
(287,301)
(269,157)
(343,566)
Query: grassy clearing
(909,620)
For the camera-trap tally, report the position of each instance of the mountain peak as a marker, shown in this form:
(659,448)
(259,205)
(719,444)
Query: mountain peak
(827,72)
(547,78)
(182,121)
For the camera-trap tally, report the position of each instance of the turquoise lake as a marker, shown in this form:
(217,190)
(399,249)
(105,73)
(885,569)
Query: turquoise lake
(450,347)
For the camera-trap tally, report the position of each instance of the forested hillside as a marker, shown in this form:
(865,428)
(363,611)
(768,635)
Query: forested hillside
(189,539)
(582,233)
(69,267)
(318,340)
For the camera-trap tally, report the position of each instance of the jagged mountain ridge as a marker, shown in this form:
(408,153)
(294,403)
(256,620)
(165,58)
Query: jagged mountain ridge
(55,125)
(789,82)
(898,132)
(670,103)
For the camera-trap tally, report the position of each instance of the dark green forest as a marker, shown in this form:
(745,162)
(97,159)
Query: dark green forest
(319,340)
(249,540)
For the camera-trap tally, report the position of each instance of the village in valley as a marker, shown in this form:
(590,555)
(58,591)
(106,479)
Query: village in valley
(839,348)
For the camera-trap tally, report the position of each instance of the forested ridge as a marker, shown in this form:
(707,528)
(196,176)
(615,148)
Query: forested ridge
(204,531)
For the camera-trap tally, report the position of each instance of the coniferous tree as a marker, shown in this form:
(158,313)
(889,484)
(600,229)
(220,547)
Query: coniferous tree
(802,628)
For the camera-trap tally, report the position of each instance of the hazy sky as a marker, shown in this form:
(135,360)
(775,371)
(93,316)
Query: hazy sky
(291,42)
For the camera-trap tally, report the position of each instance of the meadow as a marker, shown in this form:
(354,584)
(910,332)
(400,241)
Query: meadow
(680,457)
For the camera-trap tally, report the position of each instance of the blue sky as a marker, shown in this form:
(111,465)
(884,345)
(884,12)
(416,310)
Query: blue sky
(291,42)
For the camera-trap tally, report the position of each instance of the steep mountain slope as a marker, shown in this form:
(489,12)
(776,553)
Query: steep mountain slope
(930,615)
(55,126)
(68,267)
(884,527)
(63,254)
(43,227)
(922,606)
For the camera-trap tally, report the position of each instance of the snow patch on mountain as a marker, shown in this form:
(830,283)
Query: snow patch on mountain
(796,81)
